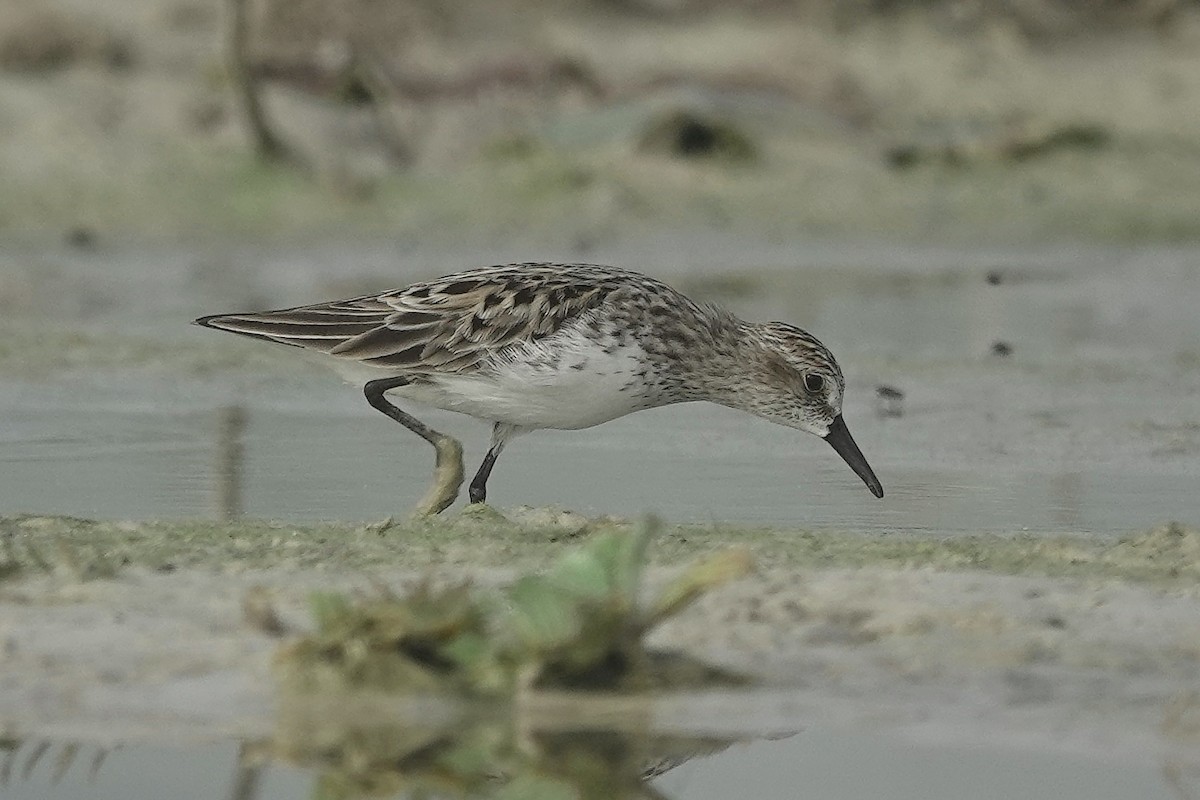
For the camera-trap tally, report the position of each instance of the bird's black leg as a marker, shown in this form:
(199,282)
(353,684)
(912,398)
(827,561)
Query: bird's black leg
(448,473)
(477,491)
(374,391)
(501,433)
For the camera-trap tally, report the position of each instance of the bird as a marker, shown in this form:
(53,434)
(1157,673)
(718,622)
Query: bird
(563,346)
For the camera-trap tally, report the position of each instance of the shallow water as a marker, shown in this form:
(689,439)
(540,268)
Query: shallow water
(693,464)
(1092,424)
(818,763)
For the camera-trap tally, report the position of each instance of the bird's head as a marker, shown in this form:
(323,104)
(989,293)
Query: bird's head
(800,385)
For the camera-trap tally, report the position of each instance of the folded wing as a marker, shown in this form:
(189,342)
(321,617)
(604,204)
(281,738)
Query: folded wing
(453,324)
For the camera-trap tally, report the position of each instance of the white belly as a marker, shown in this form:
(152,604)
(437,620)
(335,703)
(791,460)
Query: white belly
(577,385)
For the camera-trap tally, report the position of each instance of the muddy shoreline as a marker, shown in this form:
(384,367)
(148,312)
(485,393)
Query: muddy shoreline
(132,630)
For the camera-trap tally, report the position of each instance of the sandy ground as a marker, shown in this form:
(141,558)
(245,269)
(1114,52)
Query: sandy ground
(923,636)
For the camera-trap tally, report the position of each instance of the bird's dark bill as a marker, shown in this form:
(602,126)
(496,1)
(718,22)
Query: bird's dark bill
(840,439)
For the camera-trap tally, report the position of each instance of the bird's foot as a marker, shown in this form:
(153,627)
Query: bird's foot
(447,478)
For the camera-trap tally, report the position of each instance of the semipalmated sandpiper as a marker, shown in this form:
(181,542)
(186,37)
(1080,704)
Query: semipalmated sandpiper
(529,346)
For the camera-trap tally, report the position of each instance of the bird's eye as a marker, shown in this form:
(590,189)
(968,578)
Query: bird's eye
(814,382)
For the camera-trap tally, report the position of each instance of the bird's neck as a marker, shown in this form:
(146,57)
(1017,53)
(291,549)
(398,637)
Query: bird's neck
(717,365)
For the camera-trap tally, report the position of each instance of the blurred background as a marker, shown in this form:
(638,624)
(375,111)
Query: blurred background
(988,210)
(585,120)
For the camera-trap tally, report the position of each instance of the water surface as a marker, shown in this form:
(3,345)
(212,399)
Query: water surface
(1091,424)
(826,763)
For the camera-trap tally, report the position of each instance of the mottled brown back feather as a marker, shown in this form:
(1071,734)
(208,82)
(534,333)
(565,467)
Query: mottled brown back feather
(446,325)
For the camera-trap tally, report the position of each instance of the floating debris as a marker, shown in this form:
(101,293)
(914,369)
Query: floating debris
(80,237)
(1001,349)
(889,401)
